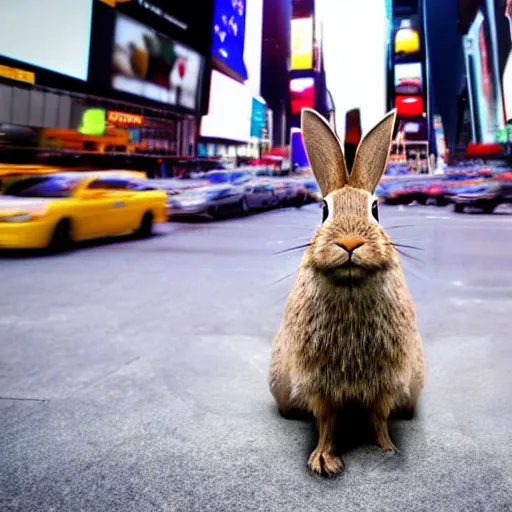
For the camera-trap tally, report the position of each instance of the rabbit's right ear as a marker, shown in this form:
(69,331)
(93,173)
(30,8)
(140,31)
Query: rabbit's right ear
(324,152)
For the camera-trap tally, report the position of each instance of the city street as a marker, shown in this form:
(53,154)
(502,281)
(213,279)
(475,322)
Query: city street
(133,374)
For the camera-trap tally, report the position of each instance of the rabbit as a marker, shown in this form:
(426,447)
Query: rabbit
(349,331)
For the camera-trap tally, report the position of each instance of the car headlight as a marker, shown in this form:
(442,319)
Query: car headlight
(192,200)
(33,212)
(19,217)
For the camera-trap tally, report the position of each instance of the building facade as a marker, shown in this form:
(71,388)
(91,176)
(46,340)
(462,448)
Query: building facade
(233,128)
(100,77)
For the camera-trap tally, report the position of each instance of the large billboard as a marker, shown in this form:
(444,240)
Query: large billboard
(229,36)
(148,64)
(507,73)
(52,34)
(483,78)
(132,50)
(229,116)
(302,44)
(302,94)
(253,45)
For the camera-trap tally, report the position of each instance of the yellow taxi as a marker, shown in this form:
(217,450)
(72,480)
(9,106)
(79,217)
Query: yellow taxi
(55,210)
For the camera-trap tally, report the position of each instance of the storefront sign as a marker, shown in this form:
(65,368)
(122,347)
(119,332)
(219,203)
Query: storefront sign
(124,119)
(17,74)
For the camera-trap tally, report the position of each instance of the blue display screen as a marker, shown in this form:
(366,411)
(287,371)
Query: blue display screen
(229,35)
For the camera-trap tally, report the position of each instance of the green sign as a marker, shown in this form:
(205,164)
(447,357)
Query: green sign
(93,122)
(502,136)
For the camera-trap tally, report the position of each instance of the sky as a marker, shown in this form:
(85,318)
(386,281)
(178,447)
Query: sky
(355,53)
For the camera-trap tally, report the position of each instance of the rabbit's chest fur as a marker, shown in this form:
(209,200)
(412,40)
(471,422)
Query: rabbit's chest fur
(350,344)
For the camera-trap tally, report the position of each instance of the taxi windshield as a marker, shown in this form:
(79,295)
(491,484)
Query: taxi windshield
(43,187)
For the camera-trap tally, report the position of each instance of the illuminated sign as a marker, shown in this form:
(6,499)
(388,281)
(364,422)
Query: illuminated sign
(229,35)
(302,43)
(124,119)
(302,94)
(92,122)
(17,74)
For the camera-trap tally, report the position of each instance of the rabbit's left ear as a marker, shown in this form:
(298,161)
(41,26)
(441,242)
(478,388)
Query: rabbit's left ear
(372,155)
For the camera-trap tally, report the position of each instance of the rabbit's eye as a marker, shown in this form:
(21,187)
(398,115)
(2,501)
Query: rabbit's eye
(325,211)
(375,210)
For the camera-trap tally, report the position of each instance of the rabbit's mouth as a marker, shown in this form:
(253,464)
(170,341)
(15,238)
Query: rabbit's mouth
(347,274)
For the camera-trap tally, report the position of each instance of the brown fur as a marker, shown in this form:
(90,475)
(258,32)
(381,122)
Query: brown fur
(348,334)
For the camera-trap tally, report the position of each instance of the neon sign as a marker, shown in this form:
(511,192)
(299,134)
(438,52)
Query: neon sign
(124,119)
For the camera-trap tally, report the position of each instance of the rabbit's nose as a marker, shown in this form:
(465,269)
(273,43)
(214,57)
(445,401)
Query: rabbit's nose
(350,243)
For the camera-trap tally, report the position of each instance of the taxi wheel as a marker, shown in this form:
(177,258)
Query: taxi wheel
(146,226)
(61,239)
(459,208)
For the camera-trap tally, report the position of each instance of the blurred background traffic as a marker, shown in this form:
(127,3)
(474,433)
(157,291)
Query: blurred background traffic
(202,100)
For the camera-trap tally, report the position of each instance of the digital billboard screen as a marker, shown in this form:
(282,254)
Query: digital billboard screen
(50,34)
(302,94)
(302,44)
(230,112)
(149,65)
(408,79)
(229,35)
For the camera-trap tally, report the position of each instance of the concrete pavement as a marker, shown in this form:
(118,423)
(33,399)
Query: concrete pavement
(133,374)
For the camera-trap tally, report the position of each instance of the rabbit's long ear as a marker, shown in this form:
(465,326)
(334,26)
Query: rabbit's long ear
(324,152)
(372,155)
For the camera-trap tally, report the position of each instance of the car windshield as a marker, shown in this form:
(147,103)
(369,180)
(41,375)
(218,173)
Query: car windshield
(43,187)
(240,177)
(217,177)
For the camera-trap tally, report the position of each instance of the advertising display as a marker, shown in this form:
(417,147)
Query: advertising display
(302,44)
(483,81)
(298,154)
(407,39)
(147,64)
(52,34)
(258,118)
(229,35)
(507,72)
(409,106)
(253,45)
(439,133)
(408,79)
(229,116)
(93,122)
(302,94)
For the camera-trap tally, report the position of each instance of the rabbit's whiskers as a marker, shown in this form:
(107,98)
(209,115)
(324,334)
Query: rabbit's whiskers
(296,248)
(405,246)
(283,278)
(400,226)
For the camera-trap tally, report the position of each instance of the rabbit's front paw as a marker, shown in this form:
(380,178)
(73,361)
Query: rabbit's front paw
(325,463)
